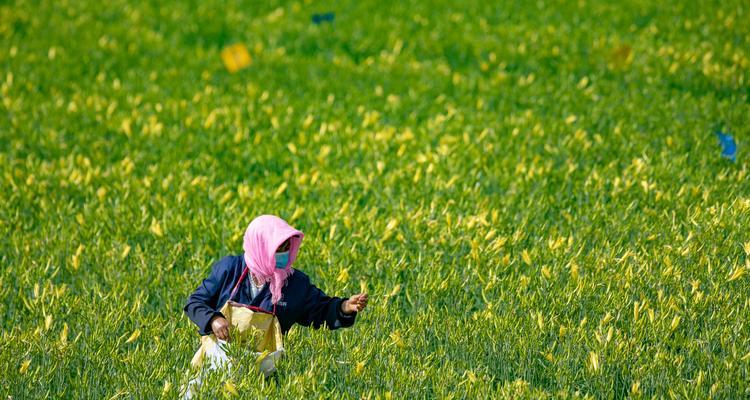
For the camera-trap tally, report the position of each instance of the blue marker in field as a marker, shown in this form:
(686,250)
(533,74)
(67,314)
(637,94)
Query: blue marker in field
(728,145)
(318,19)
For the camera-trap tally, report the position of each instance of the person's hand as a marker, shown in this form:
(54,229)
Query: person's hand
(220,327)
(353,304)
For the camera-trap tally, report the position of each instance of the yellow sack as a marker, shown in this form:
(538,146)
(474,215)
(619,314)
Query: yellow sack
(257,330)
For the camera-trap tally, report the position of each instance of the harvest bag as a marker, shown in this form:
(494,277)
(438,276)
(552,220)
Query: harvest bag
(251,327)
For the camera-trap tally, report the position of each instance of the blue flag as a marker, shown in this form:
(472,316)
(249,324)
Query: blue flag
(728,145)
(317,19)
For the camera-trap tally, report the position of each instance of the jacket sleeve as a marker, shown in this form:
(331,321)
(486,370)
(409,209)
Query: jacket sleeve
(201,305)
(321,308)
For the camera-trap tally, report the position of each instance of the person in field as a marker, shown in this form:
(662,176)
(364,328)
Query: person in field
(263,278)
(271,247)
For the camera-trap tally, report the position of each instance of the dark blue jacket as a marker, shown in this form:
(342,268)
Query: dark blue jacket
(301,302)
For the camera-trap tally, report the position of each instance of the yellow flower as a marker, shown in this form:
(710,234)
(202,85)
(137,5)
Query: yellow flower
(737,274)
(594,361)
(134,336)
(64,334)
(230,389)
(77,257)
(280,190)
(24,366)
(343,275)
(236,57)
(675,323)
(297,213)
(332,232)
(526,257)
(308,122)
(167,387)
(125,252)
(125,126)
(359,368)
(635,388)
(156,228)
(397,340)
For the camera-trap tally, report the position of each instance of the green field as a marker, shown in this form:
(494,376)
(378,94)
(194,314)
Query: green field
(531,193)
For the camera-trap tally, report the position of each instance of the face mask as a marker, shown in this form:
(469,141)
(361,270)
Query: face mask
(282,259)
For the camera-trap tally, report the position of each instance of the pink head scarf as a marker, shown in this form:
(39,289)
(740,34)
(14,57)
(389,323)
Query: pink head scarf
(262,237)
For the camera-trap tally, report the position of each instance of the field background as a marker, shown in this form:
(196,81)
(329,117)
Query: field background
(531,192)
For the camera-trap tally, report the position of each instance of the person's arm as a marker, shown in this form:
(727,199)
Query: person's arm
(201,305)
(321,308)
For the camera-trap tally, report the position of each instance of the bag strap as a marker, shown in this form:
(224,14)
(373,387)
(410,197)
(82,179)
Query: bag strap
(237,285)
